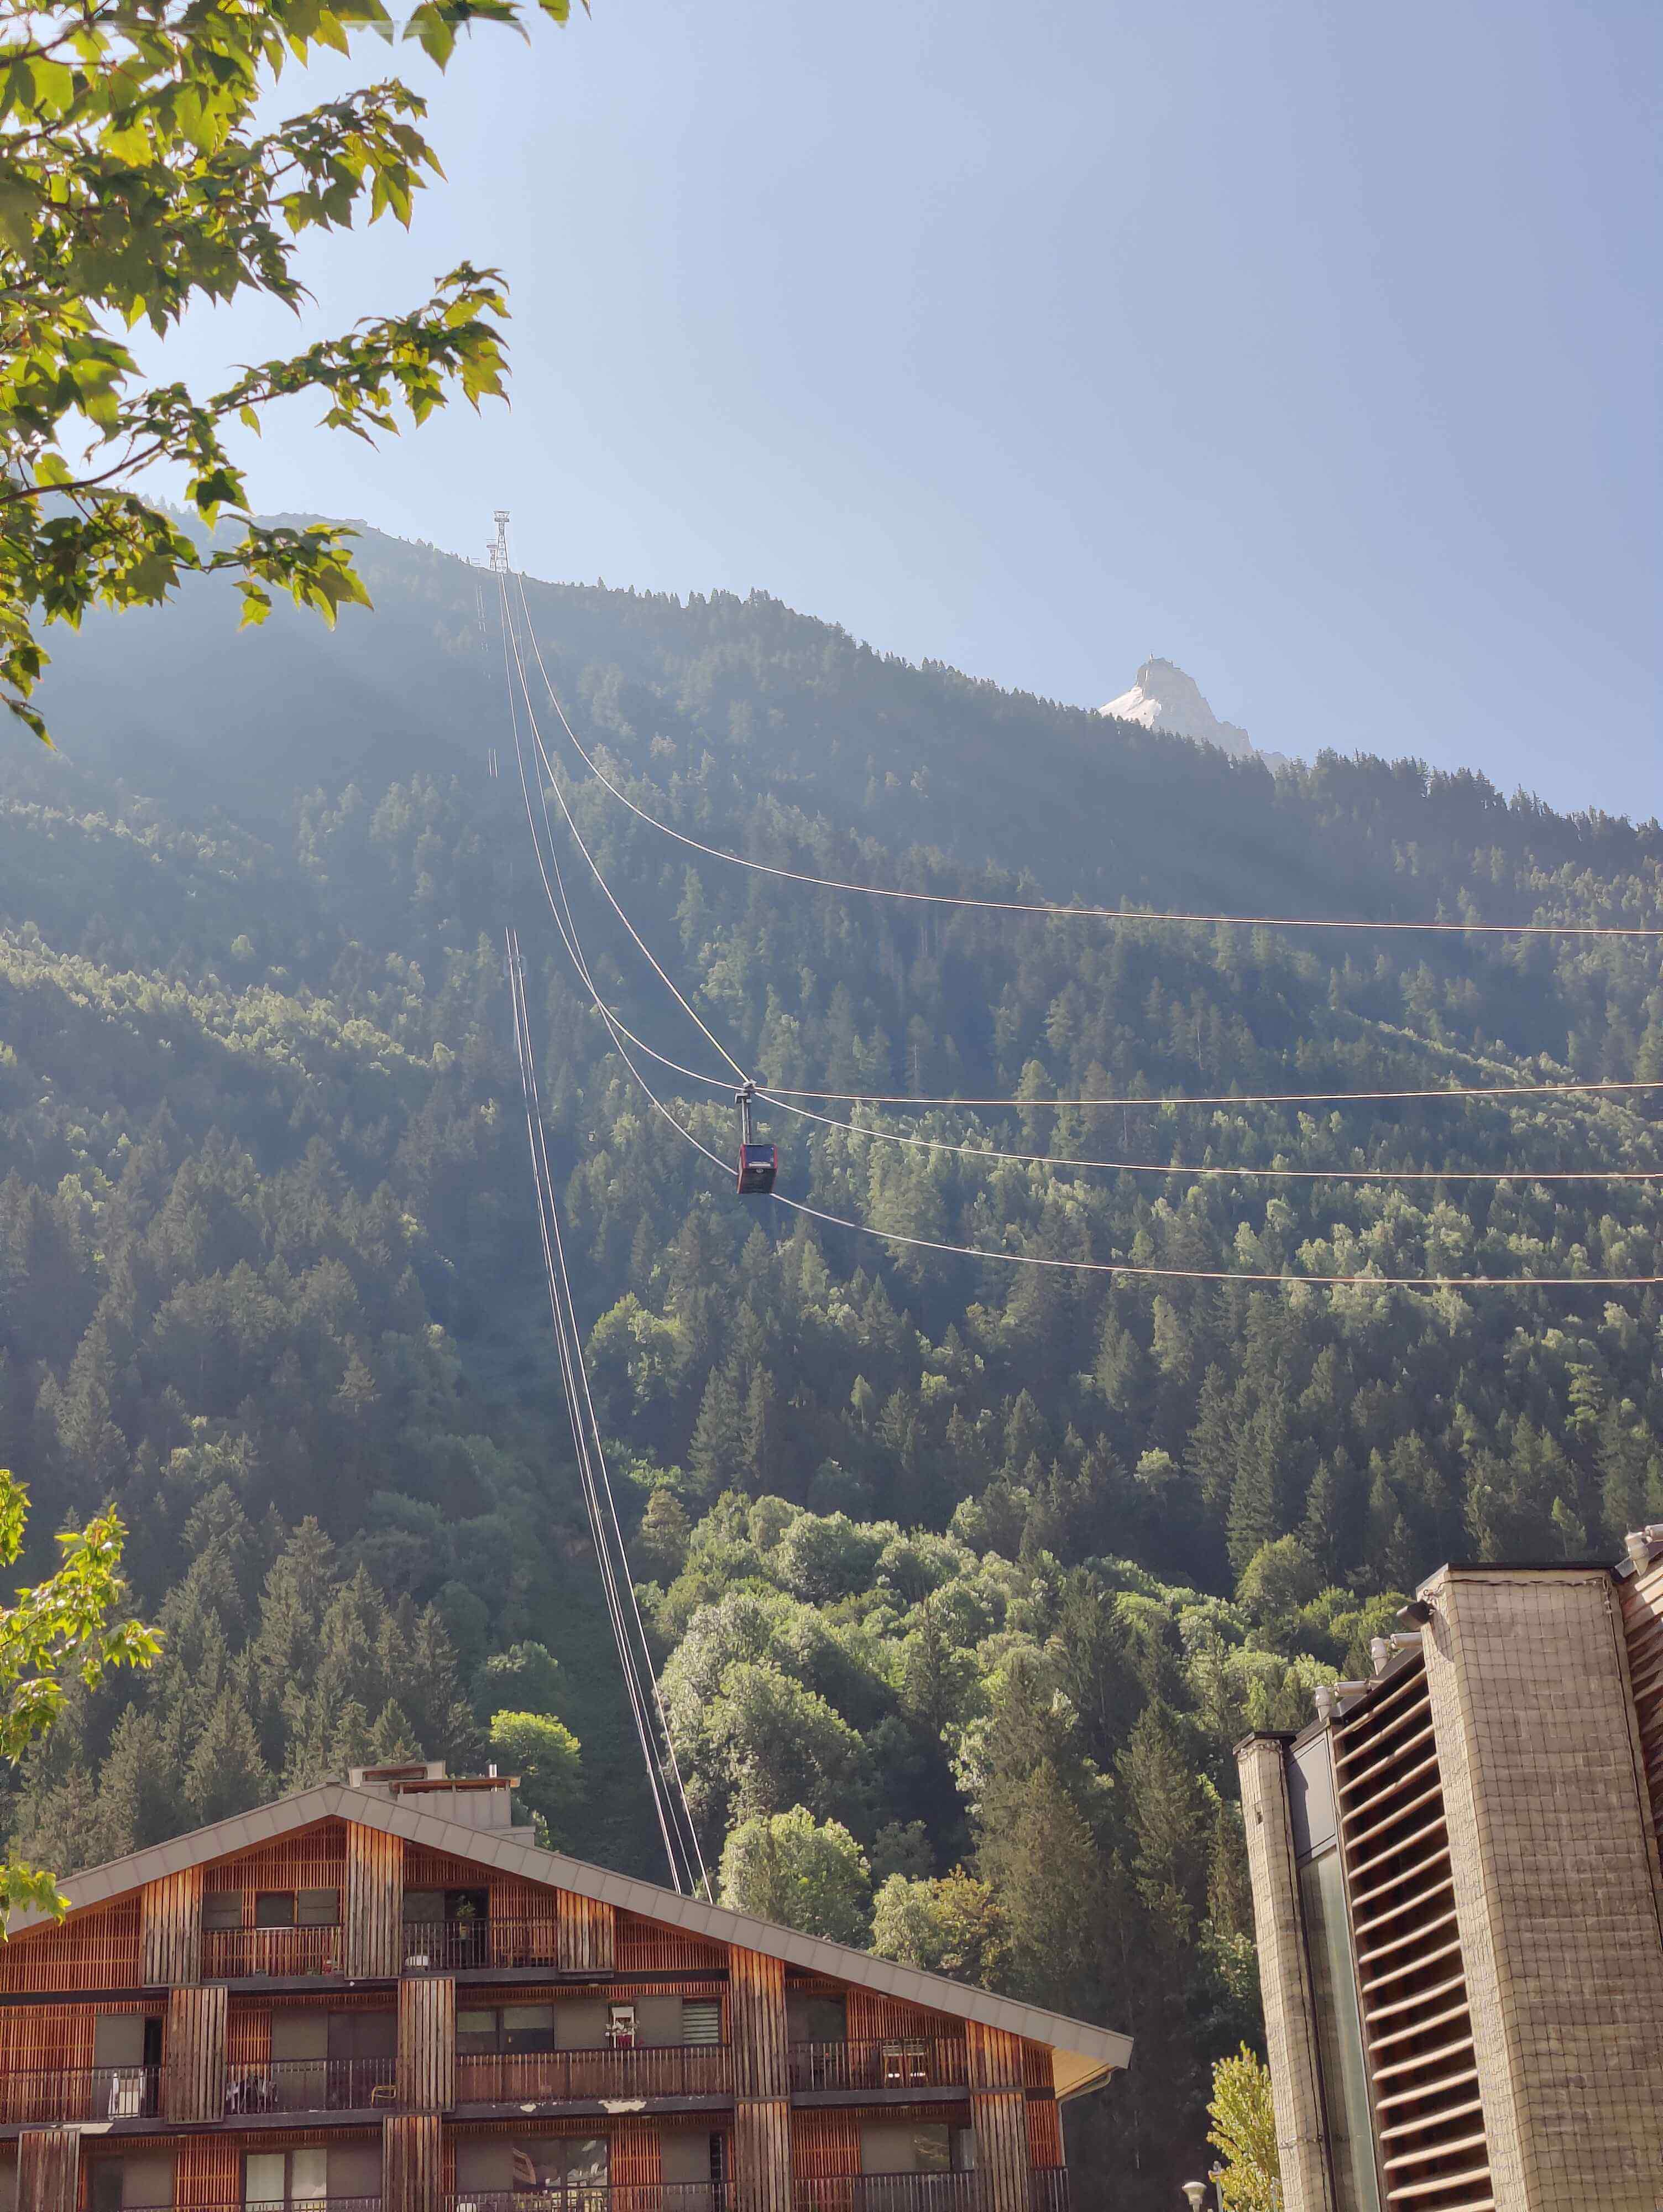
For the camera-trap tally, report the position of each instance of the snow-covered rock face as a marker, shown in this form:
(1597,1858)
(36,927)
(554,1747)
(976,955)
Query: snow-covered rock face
(1164,698)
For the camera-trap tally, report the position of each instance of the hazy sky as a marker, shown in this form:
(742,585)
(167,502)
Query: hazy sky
(1307,346)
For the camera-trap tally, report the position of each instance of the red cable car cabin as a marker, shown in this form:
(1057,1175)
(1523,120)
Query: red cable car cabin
(758,1164)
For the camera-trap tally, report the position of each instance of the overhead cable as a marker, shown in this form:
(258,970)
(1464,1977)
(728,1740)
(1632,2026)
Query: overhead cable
(1178,1168)
(1142,1270)
(1069,912)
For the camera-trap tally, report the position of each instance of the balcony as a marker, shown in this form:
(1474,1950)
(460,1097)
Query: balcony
(83,2092)
(895,2062)
(309,2085)
(673,2069)
(453,1945)
(595,2196)
(888,2192)
(1047,2190)
(235,1954)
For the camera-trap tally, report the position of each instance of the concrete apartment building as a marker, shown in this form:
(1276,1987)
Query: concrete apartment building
(1458,1900)
(381,1996)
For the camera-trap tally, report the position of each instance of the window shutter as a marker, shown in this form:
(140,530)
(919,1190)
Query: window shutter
(702,2020)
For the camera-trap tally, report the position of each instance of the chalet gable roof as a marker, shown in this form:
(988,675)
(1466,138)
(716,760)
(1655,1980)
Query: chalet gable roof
(1085,2055)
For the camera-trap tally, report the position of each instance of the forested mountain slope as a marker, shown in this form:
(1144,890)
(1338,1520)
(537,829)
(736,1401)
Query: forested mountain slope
(988,1563)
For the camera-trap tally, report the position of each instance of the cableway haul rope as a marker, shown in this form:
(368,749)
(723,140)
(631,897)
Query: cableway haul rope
(682,1847)
(567,924)
(1070,913)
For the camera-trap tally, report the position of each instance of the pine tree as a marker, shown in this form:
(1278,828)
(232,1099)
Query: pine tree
(226,1774)
(717,1452)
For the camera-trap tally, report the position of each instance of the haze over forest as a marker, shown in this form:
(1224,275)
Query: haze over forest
(989,1564)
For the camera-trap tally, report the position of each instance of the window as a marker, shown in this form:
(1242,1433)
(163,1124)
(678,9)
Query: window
(817,2019)
(621,2026)
(702,2020)
(318,1908)
(275,1908)
(121,2184)
(285,2178)
(423,1906)
(519,2030)
(222,1908)
(568,2162)
(904,2149)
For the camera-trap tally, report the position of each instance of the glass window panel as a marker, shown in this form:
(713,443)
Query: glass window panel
(1339,2034)
(423,1904)
(262,2177)
(476,2032)
(931,2152)
(106,2185)
(308,2175)
(222,1908)
(528,2027)
(586,2159)
(318,1908)
(275,1908)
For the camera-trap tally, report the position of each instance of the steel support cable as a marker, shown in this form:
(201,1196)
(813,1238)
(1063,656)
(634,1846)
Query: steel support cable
(1070,913)
(1088,1266)
(783,1098)
(579,1442)
(1174,1167)
(1140,1271)
(663,974)
(780,1091)
(575,951)
(606,1518)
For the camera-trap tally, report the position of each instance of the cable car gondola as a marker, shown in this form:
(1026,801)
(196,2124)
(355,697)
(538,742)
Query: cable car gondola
(758,1164)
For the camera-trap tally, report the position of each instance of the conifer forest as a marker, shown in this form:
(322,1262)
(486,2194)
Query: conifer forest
(963,1576)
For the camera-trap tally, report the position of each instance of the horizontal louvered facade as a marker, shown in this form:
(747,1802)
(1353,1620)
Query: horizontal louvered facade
(1457,1890)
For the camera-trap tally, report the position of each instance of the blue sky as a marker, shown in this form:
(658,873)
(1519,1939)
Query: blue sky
(1309,347)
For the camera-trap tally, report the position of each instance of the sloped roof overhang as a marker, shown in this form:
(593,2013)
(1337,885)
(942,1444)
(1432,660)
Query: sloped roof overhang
(1085,2055)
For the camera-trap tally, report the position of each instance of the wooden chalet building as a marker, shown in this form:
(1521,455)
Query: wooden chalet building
(379,1994)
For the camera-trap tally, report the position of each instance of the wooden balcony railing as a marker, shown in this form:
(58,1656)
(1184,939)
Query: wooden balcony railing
(81,2093)
(308,2085)
(672,2070)
(232,1954)
(898,2062)
(888,2192)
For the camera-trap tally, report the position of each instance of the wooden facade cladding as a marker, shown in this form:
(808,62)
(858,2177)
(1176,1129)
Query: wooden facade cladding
(825,2145)
(587,1932)
(1045,2134)
(373,1903)
(48,2169)
(413,2176)
(999,2117)
(427,2043)
(208,2169)
(193,2054)
(1411,1984)
(996,2058)
(97,1950)
(1642,1600)
(761,2155)
(642,1945)
(47,2040)
(757,2007)
(170,1942)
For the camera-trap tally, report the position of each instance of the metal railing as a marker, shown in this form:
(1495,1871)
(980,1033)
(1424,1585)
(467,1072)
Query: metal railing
(81,2093)
(445,1945)
(888,2192)
(599,2196)
(897,2061)
(671,2070)
(1047,2190)
(308,2085)
(230,1955)
(296,2205)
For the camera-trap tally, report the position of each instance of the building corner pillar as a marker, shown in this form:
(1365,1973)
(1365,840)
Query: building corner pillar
(1285,1976)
